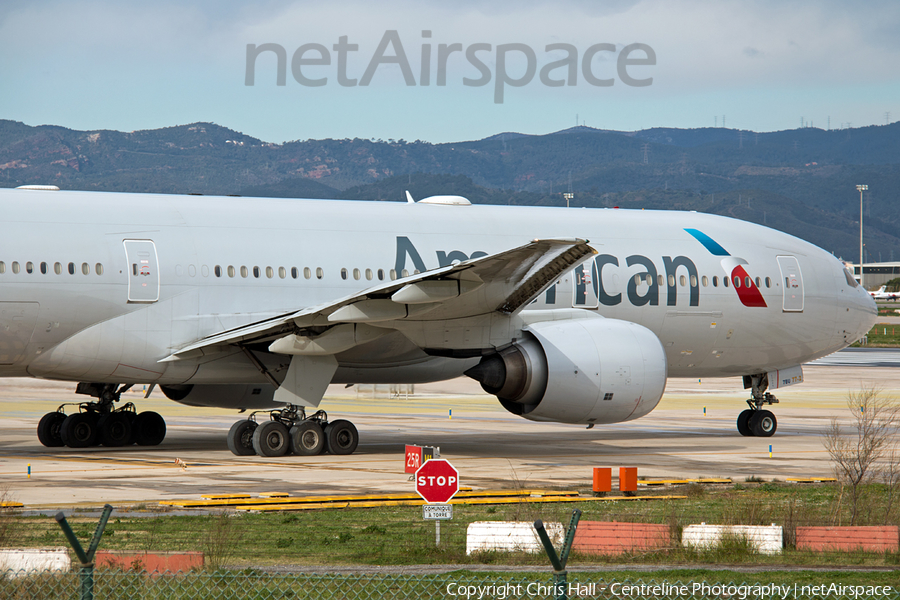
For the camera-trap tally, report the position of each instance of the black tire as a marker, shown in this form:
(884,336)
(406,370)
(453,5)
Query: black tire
(149,429)
(307,439)
(48,429)
(271,439)
(763,424)
(342,437)
(743,423)
(115,429)
(80,430)
(240,438)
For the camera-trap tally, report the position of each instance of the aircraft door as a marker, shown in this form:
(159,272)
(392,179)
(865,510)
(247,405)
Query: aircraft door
(143,271)
(792,282)
(585,279)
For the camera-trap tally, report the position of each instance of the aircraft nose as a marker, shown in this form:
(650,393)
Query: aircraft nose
(862,312)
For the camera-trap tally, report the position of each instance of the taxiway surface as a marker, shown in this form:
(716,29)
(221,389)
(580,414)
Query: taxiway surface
(490,447)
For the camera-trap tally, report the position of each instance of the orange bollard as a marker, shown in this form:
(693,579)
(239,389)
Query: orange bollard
(602,480)
(628,480)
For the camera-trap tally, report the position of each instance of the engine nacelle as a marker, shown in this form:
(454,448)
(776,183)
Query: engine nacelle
(239,396)
(591,370)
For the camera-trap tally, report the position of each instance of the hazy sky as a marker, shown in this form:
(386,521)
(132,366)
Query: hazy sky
(764,65)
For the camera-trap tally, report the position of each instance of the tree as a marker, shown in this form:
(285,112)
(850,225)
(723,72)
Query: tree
(867,450)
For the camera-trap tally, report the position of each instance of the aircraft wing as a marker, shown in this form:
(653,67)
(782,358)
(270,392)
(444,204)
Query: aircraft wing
(504,282)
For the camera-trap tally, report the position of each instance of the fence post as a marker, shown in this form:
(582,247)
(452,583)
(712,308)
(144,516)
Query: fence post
(86,572)
(560,585)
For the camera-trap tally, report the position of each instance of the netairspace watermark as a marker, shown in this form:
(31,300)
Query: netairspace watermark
(312,64)
(501,591)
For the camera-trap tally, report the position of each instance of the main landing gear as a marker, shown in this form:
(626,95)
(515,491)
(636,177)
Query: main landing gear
(755,421)
(290,430)
(99,422)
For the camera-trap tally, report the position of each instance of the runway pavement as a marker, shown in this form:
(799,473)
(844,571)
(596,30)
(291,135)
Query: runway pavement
(490,447)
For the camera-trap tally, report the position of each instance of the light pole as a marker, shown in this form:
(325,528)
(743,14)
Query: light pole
(861,189)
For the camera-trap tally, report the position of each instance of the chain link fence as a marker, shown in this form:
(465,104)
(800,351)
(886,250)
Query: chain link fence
(120,585)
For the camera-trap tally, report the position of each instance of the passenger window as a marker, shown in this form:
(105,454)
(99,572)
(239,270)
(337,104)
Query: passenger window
(369,274)
(393,274)
(295,273)
(29,267)
(356,274)
(404,273)
(319,273)
(715,281)
(737,281)
(256,272)
(306,272)
(725,281)
(693,281)
(98,268)
(15,267)
(758,282)
(231,271)
(57,268)
(2,267)
(671,281)
(649,279)
(768,282)
(204,270)
(380,274)
(343,273)
(244,271)
(85,269)
(43,268)
(270,273)
(748,282)
(71,268)
(659,280)
(682,280)
(282,272)
(637,280)
(217,270)
(704,280)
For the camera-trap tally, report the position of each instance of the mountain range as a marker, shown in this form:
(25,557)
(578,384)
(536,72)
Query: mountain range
(801,181)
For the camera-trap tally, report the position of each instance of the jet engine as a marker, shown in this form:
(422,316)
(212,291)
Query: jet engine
(587,371)
(251,396)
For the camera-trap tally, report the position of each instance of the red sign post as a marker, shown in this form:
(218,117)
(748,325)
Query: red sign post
(437,481)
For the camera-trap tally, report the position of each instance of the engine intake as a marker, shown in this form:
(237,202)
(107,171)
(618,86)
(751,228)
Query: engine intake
(591,370)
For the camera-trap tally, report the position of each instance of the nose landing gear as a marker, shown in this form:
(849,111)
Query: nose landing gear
(755,421)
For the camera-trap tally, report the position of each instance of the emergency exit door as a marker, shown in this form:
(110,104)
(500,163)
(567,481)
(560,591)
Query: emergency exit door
(792,282)
(143,271)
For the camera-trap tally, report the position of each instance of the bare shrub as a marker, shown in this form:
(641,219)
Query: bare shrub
(221,540)
(866,451)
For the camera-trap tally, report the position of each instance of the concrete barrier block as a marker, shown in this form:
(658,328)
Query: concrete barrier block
(868,538)
(26,561)
(767,539)
(609,538)
(509,536)
(150,562)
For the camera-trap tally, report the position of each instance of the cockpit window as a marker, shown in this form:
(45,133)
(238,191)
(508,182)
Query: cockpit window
(851,280)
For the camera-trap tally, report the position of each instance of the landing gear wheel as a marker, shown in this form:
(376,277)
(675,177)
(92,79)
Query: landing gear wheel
(342,437)
(743,423)
(80,430)
(763,424)
(271,439)
(307,439)
(115,429)
(149,428)
(48,429)
(240,438)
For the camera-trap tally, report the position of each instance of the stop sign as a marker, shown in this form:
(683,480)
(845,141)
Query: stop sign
(437,481)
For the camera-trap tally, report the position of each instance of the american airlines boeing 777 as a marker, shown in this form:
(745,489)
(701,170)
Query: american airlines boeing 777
(566,315)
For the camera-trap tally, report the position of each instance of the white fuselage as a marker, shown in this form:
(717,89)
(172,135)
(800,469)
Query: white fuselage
(74,305)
